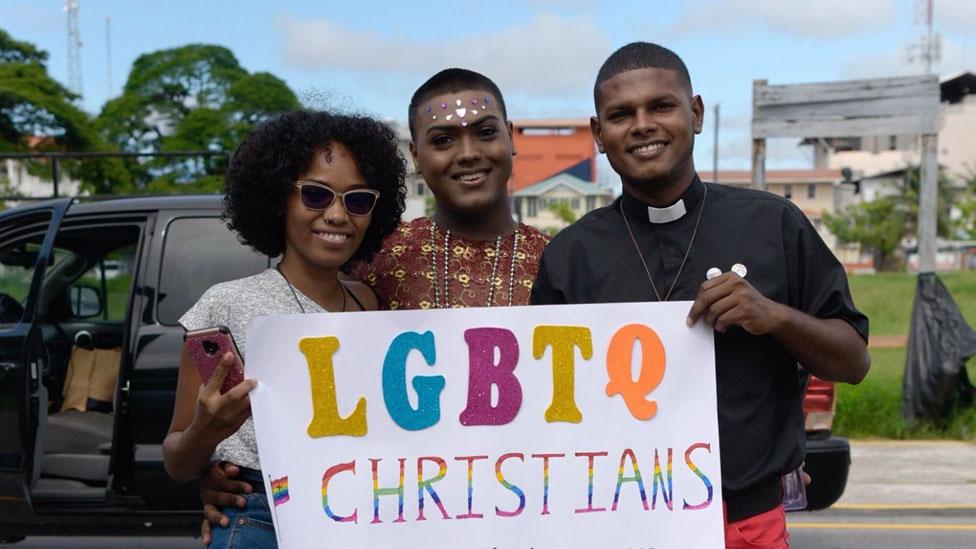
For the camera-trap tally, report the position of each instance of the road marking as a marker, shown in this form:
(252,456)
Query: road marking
(877,526)
(907,506)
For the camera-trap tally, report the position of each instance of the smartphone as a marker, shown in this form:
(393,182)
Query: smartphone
(207,346)
(794,491)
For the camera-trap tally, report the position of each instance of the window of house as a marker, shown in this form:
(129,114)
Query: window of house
(811,191)
(420,189)
(575,204)
(533,204)
(590,203)
(788,191)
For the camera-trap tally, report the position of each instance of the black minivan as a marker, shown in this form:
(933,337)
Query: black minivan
(109,280)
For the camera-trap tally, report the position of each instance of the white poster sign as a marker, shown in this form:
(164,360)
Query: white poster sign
(521,427)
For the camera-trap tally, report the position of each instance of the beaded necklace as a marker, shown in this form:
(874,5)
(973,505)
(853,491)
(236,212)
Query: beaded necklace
(437,281)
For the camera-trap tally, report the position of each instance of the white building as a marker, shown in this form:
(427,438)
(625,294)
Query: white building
(536,205)
(417,191)
(871,156)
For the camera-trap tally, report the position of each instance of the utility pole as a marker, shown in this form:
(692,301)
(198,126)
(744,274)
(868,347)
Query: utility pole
(74,48)
(715,148)
(929,189)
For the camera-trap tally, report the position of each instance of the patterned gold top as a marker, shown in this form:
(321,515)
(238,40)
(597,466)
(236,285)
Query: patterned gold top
(403,272)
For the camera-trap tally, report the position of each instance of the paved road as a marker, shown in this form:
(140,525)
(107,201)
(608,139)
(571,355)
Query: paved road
(883,527)
(899,494)
(108,543)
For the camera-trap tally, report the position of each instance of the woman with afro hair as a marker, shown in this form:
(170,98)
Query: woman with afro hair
(320,190)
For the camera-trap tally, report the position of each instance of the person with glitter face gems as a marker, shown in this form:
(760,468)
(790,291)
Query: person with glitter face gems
(754,266)
(469,253)
(319,190)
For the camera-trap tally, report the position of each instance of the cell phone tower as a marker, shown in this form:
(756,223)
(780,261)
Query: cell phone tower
(74,47)
(927,51)
(108,55)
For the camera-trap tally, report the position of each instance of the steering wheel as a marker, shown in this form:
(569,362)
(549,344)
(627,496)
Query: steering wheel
(11,310)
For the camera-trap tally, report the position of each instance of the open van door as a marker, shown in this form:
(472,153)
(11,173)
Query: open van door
(26,243)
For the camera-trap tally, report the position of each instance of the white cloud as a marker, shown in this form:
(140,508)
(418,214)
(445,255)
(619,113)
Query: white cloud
(956,15)
(825,18)
(897,63)
(563,4)
(549,55)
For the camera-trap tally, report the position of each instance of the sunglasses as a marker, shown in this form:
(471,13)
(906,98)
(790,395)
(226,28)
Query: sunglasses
(318,196)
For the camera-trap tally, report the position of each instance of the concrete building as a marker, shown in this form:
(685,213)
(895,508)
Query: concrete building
(549,147)
(535,205)
(16,180)
(870,156)
(418,193)
(815,192)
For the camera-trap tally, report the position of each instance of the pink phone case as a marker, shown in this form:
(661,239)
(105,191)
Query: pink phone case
(207,346)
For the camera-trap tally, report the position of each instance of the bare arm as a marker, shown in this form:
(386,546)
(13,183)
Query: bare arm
(202,417)
(829,348)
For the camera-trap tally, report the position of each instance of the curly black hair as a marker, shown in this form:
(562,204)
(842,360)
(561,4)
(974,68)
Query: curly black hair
(265,166)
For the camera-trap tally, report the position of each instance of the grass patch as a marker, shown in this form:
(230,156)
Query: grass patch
(872,409)
(887,298)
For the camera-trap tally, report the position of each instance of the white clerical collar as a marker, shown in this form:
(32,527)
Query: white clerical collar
(673,212)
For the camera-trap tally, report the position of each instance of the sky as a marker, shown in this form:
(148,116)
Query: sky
(369,56)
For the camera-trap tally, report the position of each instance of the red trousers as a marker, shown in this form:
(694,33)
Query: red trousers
(764,531)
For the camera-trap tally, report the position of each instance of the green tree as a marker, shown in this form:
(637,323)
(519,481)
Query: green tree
(967,208)
(563,212)
(878,226)
(909,202)
(37,114)
(195,97)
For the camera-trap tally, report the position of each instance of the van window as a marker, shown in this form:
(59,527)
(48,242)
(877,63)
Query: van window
(199,252)
(21,239)
(112,278)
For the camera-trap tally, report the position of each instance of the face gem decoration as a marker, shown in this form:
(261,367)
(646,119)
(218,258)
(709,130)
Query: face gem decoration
(460,111)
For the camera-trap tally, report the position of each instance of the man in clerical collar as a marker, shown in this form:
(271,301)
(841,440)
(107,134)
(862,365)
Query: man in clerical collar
(754,266)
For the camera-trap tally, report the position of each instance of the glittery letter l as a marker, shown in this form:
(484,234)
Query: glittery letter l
(428,388)
(483,373)
(326,421)
(563,340)
(653,360)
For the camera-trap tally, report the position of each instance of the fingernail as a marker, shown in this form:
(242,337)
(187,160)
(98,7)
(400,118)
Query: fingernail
(689,322)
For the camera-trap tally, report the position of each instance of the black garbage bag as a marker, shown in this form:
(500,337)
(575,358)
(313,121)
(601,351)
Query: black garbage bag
(939,344)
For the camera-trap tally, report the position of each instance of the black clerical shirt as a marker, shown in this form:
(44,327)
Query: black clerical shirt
(759,402)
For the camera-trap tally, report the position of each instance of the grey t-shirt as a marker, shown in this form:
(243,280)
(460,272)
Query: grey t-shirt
(234,304)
